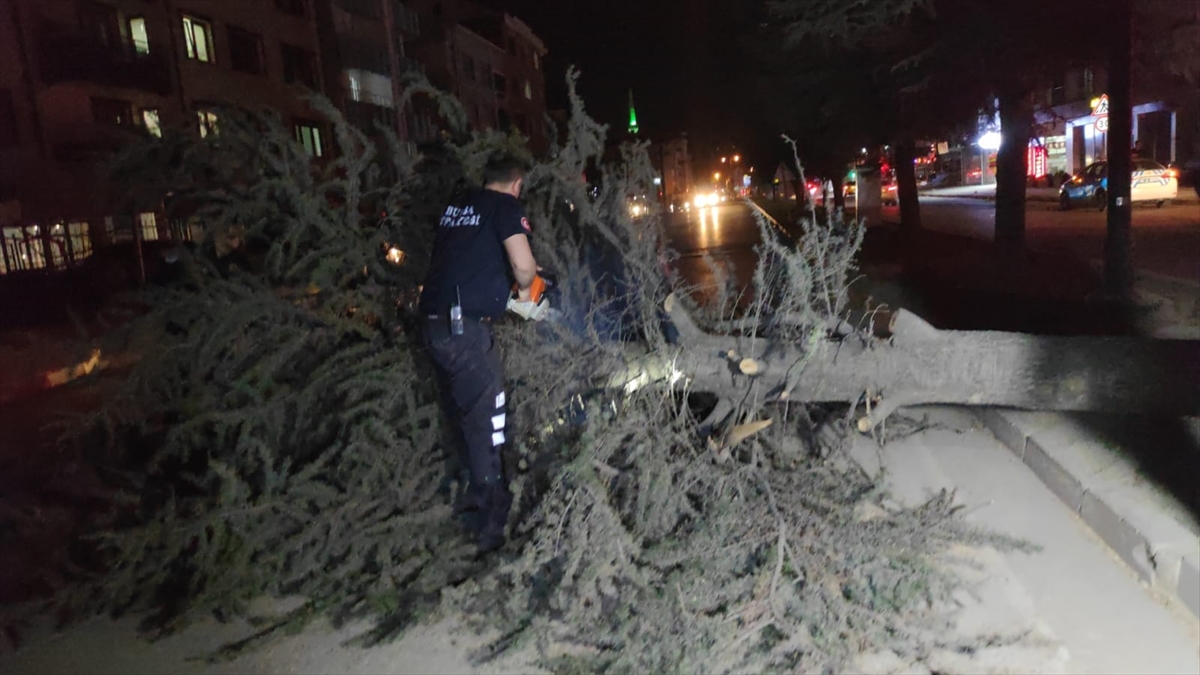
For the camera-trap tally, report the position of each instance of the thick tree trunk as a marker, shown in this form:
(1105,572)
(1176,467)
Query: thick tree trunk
(906,185)
(1118,264)
(923,365)
(839,195)
(1016,123)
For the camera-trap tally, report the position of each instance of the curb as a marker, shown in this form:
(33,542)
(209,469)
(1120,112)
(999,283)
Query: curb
(990,196)
(1101,486)
(770,219)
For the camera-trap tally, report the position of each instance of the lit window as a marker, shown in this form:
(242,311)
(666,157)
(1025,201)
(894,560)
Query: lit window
(208,122)
(137,33)
(151,123)
(149,226)
(528,90)
(24,248)
(536,62)
(81,243)
(355,88)
(58,246)
(197,36)
(310,137)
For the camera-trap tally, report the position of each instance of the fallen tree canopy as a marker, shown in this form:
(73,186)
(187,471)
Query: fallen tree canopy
(918,364)
(281,434)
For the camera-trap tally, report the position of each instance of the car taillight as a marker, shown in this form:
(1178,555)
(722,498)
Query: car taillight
(1171,173)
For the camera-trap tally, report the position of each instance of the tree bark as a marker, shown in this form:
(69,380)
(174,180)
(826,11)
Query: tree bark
(1016,123)
(839,195)
(1118,264)
(923,365)
(906,185)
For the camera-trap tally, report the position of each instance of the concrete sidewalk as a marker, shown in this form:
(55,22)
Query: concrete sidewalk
(1153,531)
(1082,609)
(1034,194)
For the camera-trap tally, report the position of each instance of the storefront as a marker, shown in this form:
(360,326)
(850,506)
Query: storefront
(1154,128)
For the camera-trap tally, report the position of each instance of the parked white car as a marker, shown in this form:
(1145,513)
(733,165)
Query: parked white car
(1150,182)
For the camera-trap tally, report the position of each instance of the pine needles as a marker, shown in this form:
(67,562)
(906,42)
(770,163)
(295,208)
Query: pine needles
(281,433)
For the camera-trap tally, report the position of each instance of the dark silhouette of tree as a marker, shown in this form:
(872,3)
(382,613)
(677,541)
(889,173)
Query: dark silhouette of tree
(945,57)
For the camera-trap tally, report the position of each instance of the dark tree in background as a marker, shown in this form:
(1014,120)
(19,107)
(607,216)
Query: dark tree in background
(1118,262)
(943,59)
(797,87)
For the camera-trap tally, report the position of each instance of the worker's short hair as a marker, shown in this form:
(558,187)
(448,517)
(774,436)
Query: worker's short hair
(503,167)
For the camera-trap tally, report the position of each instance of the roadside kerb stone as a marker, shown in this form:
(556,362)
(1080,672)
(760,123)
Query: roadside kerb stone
(1101,485)
(1189,583)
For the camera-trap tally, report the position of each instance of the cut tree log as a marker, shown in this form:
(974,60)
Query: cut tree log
(920,364)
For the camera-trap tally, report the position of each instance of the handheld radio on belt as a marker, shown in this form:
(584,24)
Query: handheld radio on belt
(456,315)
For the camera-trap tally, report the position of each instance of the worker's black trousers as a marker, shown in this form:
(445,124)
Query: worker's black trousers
(472,379)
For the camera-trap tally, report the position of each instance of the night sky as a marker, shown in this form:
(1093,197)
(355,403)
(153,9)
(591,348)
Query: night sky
(680,57)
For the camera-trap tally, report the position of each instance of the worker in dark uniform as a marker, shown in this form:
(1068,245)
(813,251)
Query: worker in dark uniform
(480,249)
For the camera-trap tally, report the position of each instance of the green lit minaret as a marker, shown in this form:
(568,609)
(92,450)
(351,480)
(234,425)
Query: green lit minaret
(633,125)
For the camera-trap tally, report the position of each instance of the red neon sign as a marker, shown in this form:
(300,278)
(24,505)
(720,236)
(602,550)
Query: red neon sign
(1035,161)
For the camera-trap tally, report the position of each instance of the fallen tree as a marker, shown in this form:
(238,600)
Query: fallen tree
(281,434)
(918,364)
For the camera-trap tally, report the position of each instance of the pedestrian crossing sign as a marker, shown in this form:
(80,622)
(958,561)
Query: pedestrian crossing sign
(1101,106)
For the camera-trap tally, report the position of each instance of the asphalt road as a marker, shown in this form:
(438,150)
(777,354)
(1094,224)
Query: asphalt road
(1165,241)
(713,241)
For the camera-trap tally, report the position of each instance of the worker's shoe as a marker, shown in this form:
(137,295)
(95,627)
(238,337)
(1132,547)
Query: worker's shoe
(495,518)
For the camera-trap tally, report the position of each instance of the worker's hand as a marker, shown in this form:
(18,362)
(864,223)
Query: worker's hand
(530,311)
(534,292)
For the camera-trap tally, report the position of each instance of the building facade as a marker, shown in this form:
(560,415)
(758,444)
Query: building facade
(83,78)
(1073,131)
(674,165)
(366,60)
(458,35)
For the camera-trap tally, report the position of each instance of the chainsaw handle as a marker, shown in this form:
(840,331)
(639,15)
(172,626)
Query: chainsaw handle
(536,289)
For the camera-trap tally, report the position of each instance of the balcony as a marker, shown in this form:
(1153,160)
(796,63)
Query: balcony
(365,116)
(71,56)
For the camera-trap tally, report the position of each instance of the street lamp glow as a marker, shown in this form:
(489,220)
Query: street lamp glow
(990,140)
(737,158)
(722,160)
(717,175)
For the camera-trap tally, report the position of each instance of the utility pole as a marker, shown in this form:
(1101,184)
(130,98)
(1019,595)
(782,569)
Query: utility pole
(1118,264)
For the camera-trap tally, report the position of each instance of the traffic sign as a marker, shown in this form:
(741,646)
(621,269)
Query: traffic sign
(1101,107)
(1102,124)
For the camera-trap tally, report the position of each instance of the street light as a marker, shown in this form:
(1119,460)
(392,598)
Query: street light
(722,160)
(990,140)
(717,175)
(737,158)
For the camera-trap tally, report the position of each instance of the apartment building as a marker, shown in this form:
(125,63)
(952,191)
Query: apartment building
(460,33)
(365,58)
(463,63)
(81,78)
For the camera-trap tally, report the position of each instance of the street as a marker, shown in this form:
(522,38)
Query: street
(1165,241)
(727,233)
